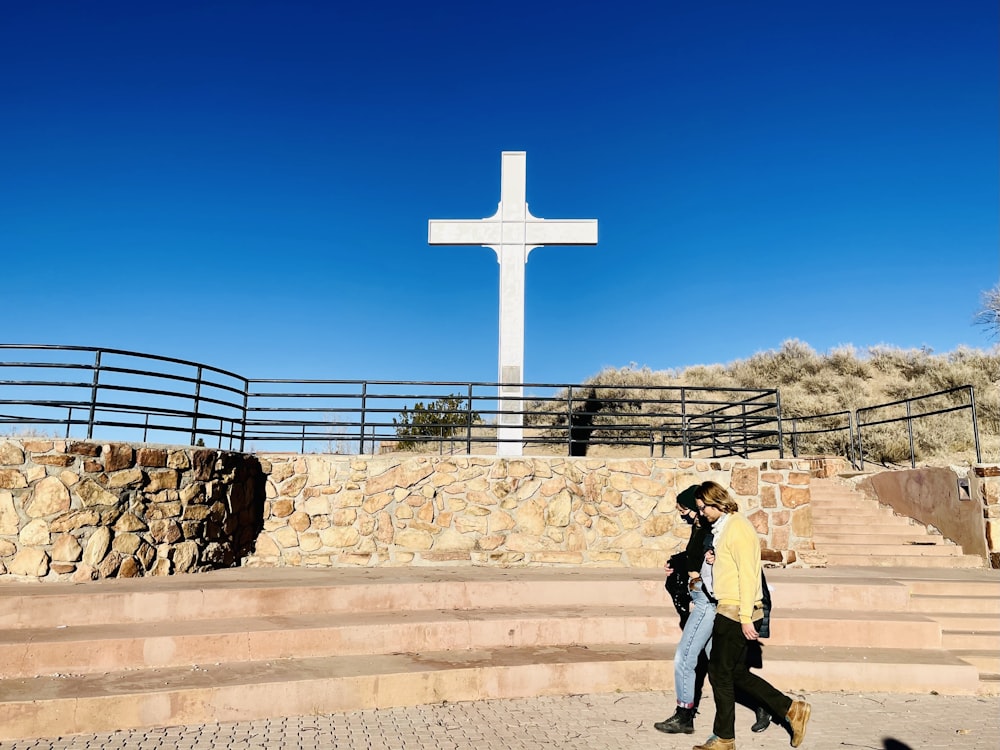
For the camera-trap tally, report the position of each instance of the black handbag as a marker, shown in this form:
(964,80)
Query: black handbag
(677,586)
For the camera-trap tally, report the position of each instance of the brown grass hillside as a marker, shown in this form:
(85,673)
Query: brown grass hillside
(811,383)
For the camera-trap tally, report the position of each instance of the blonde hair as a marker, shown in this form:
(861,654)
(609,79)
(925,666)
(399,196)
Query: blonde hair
(714,495)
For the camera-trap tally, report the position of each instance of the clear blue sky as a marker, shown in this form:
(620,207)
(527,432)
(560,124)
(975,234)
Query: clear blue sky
(248,184)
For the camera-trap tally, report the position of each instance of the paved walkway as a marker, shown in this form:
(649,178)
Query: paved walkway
(622,721)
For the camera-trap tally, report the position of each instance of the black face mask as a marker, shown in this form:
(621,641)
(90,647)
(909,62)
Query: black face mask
(691,519)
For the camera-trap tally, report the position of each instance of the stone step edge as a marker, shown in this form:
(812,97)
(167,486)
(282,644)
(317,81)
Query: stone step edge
(834,560)
(94,648)
(894,550)
(64,706)
(969,605)
(190,604)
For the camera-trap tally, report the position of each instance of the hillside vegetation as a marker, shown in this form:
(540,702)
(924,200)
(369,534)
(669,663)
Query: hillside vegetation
(812,384)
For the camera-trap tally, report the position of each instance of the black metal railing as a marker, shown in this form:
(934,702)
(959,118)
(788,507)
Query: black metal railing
(114,394)
(927,406)
(839,424)
(557,417)
(94,393)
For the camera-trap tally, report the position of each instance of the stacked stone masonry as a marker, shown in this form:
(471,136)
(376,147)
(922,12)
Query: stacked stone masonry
(344,510)
(984,485)
(81,510)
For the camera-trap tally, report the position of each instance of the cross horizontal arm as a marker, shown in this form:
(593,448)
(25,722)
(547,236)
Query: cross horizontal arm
(561,232)
(464,232)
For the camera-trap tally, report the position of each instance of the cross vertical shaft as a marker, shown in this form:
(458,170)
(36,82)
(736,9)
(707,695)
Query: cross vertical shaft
(512,232)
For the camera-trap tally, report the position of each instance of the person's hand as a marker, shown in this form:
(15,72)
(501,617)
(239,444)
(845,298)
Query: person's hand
(749,631)
(710,556)
(667,569)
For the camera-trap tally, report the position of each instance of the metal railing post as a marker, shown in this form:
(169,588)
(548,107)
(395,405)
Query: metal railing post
(746,430)
(569,421)
(975,423)
(197,404)
(909,432)
(685,444)
(851,453)
(468,423)
(93,394)
(364,398)
(861,445)
(781,435)
(243,418)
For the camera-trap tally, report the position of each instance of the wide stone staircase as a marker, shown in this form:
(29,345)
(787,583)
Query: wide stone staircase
(256,643)
(851,529)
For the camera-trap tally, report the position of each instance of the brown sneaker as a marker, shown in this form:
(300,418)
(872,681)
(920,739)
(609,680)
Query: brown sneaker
(717,743)
(798,717)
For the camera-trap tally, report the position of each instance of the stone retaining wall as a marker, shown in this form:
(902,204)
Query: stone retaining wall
(81,510)
(77,510)
(984,486)
(343,510)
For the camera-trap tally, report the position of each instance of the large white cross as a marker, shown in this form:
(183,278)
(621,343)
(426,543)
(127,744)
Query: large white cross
(513,233)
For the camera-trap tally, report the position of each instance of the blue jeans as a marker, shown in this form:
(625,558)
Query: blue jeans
(697,635)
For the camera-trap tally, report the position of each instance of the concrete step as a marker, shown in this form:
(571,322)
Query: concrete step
(986,584)
(860,629)
(973,640)
(948,603)
(60,706)
(100,648)
(984,661)
(874,535)
(977,622)
(827,517)
(896,550)
(285,592)
(849,504)
(154,652)
(897,561)
(861,520)
(850,529)
(240,593)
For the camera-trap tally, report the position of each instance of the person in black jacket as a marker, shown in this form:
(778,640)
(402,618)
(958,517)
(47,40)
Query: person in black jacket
(697,617)
(696,607)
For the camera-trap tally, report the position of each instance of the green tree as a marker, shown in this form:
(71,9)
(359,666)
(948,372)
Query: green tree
(443,418)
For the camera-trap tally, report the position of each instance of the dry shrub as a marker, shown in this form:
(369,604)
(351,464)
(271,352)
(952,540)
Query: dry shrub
(845,380)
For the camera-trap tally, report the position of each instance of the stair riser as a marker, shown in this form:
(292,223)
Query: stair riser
(896,550)
(89,609)
(900,561)
(823,505)
(95,609)
(963,604)
(985,662)
(876,536)
(977,641)
(981,623)
(860,523)
(109,655)
(139,653)
(956,588)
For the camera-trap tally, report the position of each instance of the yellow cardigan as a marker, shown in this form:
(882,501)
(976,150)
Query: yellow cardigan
(737,567)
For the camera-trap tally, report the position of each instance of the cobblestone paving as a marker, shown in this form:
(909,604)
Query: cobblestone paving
(872,721)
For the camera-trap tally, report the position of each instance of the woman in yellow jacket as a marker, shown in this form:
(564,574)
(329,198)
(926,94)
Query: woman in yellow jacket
(739,613)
